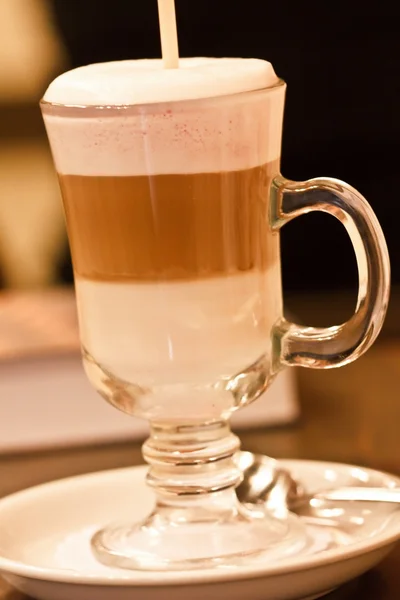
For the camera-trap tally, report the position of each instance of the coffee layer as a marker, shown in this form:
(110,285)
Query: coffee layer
(170,227)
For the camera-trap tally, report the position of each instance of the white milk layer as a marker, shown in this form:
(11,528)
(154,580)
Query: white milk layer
(178,121)
(181,332)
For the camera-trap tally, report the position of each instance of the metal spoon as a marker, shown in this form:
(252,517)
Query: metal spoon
(266,482)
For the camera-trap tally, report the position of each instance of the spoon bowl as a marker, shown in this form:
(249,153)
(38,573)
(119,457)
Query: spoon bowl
(266,482)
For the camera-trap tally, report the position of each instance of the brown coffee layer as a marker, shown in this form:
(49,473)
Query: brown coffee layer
(170,227)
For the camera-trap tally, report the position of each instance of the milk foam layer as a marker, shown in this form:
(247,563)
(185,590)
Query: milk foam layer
(186,332)
(217,132)
(146,81)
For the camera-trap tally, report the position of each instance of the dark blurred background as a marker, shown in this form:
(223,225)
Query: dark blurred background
(342,116)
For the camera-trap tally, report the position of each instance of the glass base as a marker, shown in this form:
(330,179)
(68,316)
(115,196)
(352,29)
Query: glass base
(197,522)
(171,542)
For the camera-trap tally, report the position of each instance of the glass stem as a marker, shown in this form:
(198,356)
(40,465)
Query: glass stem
(193,465)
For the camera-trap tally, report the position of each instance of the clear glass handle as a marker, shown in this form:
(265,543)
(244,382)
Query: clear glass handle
(324,348)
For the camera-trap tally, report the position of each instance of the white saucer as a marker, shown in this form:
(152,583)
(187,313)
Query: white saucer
(45,533)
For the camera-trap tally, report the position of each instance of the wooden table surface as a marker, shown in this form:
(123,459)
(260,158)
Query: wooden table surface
(350,415)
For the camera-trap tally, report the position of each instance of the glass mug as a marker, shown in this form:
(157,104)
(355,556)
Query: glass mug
(174,212)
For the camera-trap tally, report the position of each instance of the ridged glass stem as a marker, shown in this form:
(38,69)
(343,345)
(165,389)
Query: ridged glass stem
(191,461)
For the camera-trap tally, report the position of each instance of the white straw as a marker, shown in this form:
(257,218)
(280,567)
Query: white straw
(169,33)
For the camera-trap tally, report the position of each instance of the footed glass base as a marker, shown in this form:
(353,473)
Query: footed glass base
(171,542)
(197,522)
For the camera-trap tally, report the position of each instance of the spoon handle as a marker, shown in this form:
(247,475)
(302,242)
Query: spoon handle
(363,494)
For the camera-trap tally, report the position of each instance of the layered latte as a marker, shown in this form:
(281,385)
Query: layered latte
(166,187)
